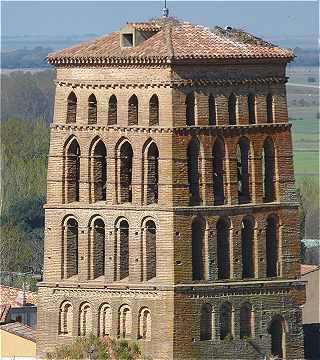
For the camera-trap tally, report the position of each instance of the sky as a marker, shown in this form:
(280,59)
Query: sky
(283,18)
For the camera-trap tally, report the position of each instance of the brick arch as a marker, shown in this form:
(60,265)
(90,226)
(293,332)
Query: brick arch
(92,109)
(85,319)
(124,167)
(71,108)
(70,247)
(122,234)
(195,154)
(144,324)
(218,170)
(248,224)
(65,318)
(112,110)
(199,248)
(270,107)
(206,322)
(97,247)
(212,110)
(133,110)
(154,110)
(149,229)
(278,330)
(246,320)
(243,159)
(269,169)
(251,98)
(224,248)
(150,176)
(105,319)
(124,321)
(273,245)
(97,170)
(190,104)
(226,320)
(232,109)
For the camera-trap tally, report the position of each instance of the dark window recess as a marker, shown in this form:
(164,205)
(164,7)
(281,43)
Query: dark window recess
(127,40)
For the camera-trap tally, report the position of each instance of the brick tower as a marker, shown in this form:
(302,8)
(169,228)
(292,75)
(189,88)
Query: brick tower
(171,216)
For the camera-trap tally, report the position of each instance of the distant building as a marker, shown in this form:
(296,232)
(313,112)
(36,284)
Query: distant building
(171,215)
(311,311)
(17,341)
(18,305)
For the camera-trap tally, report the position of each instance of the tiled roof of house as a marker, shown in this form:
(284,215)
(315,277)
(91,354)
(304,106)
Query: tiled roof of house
(19,329)
(13,296)
(173,41)
(4,311)
(306,269)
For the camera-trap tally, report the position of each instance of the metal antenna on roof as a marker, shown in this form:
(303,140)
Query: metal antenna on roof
(165,10)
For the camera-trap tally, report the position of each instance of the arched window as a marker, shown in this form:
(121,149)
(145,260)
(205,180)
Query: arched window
(277,331)
(223,248)
(269,108)
(247,242)
(97,249)
(71,108)
(85,320)
(252,108)
(133,111)
(190,109)
(193,157)
(226,320)
(212,110)
(72,172)
(105,320)
(218,155)
(126,155)
(144,324)
(123,246)
(206,322)
(65,318)
(268,170)
(246,321)
(99,171)
(112,110)
(272,246)
(232,102)
(150,250)
(125,321)
(70,248)
(154,110)
(92,110)
(152,173)
(198,249)
(243,171)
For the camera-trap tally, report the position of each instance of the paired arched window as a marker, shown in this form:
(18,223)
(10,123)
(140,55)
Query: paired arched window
(99,171)
(152,174)
(226,321)
(97,249)
(122,232)
(198,249)
(194,170)
(206,322)
(112,110)
(72,172)
(268,170)
(242,155)
(154,110)
(218,155)
(246,321)
(212,110)
(92,109)
(65,318)
(150,250)
(223,248)
(190,109)
(247,247)
(105,320)
(252,108)
(133,111)
(144,324)
(71,108)
(125,321)
(70,248)
(232,104)
(85,320)
(125,173)
(272,246)
(277,331)
(269,101)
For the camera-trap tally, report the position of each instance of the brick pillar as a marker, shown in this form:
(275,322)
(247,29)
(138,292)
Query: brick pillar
(136,177)
(84,177)
(261,249)
(112,170)
(222,110)
(236,256)
(83,252)
(53,254)
(233,180)
(257,180)
(212,250)
(201,109)
(135,255)
(261,109)
(242,110)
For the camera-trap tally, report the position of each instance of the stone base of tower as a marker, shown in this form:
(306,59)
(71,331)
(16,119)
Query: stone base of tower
(270,300)
(159,303)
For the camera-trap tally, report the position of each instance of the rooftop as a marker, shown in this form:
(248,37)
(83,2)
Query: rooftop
(19,329)
(168,40)
(14,296)
(306,269)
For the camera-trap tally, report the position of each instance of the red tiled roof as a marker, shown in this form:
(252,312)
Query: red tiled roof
(174,41)
(4,311)
(19,329)
(9,295)
(305,269)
